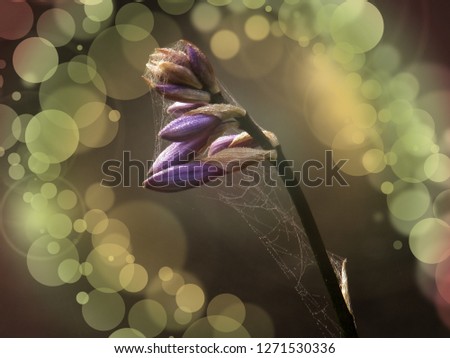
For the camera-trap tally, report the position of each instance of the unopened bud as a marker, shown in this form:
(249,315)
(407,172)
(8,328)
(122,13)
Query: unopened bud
(182,93)
(201,66)
(223,111)
(188,126)
(183,177)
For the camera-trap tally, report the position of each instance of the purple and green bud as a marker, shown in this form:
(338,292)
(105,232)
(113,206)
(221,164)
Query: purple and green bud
(188,127)
(183,177)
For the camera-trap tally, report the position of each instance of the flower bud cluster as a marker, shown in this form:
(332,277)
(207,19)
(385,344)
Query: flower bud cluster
(198,151)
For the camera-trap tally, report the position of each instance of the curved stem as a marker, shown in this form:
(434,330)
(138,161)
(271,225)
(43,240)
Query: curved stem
(292,184)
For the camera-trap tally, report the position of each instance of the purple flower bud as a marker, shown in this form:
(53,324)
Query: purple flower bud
(183,177)
(182,93)
(177,153)
(187,127)
(170,54)
(221,143)
(243,140)
(201,67)
(172,73)
(223,111)
(231,141)
(179,108)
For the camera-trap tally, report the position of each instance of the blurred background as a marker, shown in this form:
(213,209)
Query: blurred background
(369,80)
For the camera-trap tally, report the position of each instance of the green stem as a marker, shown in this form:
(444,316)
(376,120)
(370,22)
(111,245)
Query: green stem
(292,184)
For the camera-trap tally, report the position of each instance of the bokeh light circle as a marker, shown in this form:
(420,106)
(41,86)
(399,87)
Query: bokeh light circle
(357,23)
(126,333)
(257,27)
(116,232)
(134,21)
(35,59)
(16,172)
(103,311)
(16,19)
(225,44)
(441,206)
(205,17)
(165,273)
(59,226)
(38,163)
(67,199)
(408,201)
(429,240)
(107,261)
(133,277)
(148,316)
(53,133)
(190,298)
(97,131)
(57,26)
(43,261)
(176,7)
(82,297)
(182,317)
(298,19)
(226,312)
(99,11)
(437,167)
(203,329)
(69,271)
(96,221)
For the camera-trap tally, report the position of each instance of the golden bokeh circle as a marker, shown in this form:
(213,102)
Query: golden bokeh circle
(148,316)
(103,311)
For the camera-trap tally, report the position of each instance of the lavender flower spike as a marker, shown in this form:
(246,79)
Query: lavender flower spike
(187,127)
(183,177)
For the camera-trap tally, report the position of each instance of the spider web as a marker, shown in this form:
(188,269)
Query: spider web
(270,214)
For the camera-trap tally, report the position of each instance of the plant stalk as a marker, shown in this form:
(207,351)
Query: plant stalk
(292,184)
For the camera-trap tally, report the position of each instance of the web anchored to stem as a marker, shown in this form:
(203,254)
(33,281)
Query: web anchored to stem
(200,151)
